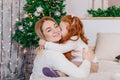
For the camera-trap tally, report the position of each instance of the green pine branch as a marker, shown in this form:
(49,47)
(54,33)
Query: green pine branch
(112,11)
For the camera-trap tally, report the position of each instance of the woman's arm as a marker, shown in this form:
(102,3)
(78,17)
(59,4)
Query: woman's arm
(57,61)
(64,65)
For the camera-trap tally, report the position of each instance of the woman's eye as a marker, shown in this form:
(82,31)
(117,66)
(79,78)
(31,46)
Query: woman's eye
(48,30)
(56,26)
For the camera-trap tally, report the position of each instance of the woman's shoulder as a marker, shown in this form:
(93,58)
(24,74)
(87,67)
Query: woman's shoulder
(52,54)
(46,51)
(47,54)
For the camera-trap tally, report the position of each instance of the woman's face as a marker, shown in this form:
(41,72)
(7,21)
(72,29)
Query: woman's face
(63,26)
(51,31)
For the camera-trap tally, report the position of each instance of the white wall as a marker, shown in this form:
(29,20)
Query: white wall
(79,7)
(93,26)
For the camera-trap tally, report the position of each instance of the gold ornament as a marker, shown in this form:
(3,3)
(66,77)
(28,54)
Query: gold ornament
(33,1)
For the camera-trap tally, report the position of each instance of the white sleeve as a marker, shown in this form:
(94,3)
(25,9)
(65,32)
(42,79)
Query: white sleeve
(64,65)
(83,45)
(68,46)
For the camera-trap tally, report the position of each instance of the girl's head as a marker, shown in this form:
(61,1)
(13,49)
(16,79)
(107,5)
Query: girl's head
(47,29)
(72,26)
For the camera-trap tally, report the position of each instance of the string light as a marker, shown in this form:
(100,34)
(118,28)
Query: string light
(8,51)
(10,62)
(1,63)
(20,46)
(5,51)
(17,59)
(17,19)
(24,51)
(16,65)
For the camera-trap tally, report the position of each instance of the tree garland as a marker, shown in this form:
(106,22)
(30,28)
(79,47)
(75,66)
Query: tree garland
(112,11)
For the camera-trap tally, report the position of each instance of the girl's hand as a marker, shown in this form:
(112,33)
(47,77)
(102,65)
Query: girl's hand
(92,48)
(42,42)
(88,55)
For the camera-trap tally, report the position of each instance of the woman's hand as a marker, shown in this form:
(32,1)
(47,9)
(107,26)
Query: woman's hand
(42,42)
(88,55)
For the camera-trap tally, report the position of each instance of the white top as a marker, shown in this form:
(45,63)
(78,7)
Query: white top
(57,61)
(77,46)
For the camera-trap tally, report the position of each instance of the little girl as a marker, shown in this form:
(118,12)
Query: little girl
(73,40)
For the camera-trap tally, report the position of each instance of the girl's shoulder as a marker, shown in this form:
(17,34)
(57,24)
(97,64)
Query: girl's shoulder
(75,37)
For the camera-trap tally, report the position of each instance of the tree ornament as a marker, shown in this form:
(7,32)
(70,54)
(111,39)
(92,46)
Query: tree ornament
(21,28)
(36,13)
(29,34)
(57,13)
(30,15)
(25,15)
(13,32)
(30,24)
(39,9)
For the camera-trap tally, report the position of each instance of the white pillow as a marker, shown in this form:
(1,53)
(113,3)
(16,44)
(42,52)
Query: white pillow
(107,45)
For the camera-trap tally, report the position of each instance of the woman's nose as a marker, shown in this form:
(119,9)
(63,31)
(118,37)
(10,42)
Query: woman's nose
(55,30)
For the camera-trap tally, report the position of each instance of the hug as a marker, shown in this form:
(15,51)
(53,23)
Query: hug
(63,49)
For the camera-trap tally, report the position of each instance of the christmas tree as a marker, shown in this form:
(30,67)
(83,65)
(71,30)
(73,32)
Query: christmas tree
(35,10)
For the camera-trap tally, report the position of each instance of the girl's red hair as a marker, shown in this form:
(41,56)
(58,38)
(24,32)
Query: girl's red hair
(75,28)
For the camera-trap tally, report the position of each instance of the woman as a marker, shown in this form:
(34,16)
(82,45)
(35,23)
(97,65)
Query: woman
(73,39)
(47,28)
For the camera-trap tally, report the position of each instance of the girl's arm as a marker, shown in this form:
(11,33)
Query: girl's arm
(94,67)
(68,46)
(63,48)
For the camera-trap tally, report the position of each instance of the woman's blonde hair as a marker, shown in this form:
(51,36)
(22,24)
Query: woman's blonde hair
(39,31)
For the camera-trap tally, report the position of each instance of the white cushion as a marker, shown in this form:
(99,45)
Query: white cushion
(107,45)
(108,66)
